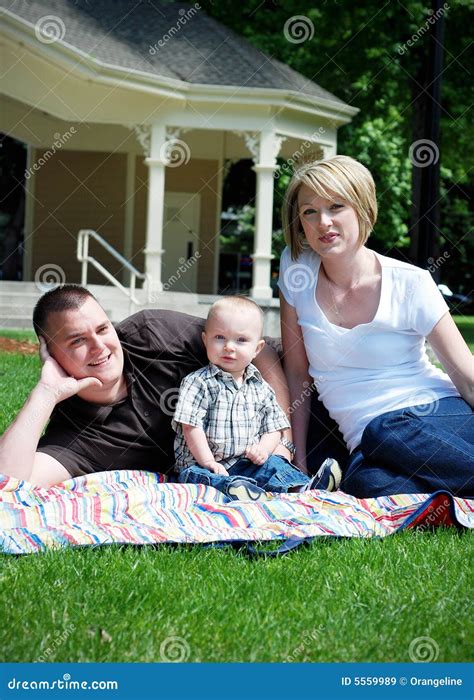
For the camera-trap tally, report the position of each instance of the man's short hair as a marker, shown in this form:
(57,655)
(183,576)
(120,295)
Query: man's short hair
(65,297)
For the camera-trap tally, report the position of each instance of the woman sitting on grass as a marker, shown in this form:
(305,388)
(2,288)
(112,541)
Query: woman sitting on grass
(354,322)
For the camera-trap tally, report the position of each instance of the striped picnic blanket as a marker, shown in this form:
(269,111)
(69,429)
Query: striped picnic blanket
(137,507)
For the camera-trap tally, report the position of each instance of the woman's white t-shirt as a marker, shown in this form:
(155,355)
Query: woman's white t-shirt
(374,367)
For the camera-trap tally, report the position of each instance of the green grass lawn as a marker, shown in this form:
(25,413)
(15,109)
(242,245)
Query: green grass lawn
(466,326)
(18,334)
(337,600)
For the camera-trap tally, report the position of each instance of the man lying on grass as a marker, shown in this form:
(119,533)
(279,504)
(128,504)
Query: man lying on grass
(108,393)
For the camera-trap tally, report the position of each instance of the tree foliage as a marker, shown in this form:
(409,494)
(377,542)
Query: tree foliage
(373,56)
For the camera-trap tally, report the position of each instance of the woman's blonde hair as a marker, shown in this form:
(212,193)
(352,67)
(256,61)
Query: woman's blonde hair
(340,175)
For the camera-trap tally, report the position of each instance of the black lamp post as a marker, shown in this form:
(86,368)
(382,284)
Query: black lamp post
(429,215)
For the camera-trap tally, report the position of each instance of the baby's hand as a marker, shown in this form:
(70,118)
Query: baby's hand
(256,455)
(217,468)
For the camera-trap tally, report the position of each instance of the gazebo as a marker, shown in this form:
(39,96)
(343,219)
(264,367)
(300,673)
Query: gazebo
(131,112)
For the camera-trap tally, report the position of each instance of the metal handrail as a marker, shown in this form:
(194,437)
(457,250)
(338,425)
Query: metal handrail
(84,258)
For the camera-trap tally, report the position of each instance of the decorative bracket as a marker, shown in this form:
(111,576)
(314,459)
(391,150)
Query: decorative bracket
(252,141)
(143,135)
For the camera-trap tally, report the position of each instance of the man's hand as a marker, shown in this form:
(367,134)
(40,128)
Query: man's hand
(217,468)
(256,454)
(283,452)
(55,380)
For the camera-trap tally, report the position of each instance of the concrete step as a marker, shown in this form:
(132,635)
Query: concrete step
(17,301)
(16,323)
(7,286)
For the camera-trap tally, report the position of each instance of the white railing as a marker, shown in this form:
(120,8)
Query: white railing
(84,258)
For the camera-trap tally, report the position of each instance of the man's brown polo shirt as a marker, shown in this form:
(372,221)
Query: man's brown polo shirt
(160,347)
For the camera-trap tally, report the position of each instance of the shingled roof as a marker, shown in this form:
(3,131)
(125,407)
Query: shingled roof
(137,36)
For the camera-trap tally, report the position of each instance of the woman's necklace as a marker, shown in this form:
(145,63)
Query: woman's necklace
(341,320)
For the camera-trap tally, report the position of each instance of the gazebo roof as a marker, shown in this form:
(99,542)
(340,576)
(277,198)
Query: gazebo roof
(164,41)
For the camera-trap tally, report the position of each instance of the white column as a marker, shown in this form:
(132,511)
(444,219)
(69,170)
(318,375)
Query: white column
(156,195)
(269,148)
(129,215)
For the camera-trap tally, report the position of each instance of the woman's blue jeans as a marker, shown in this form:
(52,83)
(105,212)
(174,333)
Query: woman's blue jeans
(419,449)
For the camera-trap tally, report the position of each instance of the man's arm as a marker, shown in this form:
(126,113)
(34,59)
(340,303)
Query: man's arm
(18,456)
(19,442)
(297,363)
(268,364)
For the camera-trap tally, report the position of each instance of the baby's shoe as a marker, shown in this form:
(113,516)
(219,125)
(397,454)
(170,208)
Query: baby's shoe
(244,490)
(327,478)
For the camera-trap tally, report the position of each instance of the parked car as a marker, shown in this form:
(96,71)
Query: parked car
(458,303)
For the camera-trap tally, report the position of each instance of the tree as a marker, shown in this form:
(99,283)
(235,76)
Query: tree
(372,56)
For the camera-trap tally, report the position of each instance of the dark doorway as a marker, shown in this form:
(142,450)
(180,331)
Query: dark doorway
(12,207)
